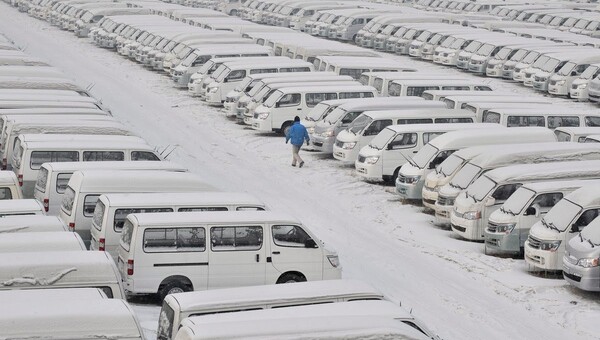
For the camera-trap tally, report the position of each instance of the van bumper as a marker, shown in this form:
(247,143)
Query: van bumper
(213,98)
(467,229)
(542,259)
(429,197)
(323,144)
(558,90)
(442,213)
(587,279)
(501,243)
(409,191)
(369,172)
(345,155)
(261,125)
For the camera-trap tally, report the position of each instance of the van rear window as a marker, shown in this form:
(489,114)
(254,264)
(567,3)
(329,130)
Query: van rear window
(5,194)
(165,322)
(68,200)
(40,157)
(89,204)
(42,180)
(98,215)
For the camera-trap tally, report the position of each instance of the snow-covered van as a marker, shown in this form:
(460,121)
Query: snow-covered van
(508,227)
(545,246)
(21,207)
(460,101)
(112,210)
(325,131)
(85,186)
(31,223)
(53,177)
(474,206)
(70,319)
(60,269)
(178,306)
(40,242)
(575,134)
(416,87)
(29,156)
(9,186)
(244,248)
(580,263)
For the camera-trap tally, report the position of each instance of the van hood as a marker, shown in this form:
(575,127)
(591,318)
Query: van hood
(410,170)
(347,136)
(463,204)
(368,151)
(580,248)
(478,57)
(261,109)
(539,231)
(449,191)
(501,217)
(434,179)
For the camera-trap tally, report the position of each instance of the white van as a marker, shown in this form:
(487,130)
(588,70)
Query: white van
(508,227)
(382,158)
(236,253)
(9,186)
(484,196)
(51,83)
(344,320)
(85,186)
(481,108)
(579,88)
(580,262)
(20,207)
(382,82)
(60,269)
(436,95)
(546,116)
(176,307)
(356,66)
(40,242)
(278,111)
(325,131)
(560,82)
(31,223)
(545,246)
(521,154)
(461,101)
(226,81)
(70,319)
(29,156)
(411,177)
(575,134)
(52,178)
(412,87)
(36,296)
(112,210)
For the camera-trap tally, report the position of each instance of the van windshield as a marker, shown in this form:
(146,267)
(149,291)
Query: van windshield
(318,112)
(480,188)
(530,57)
(68,200)
(98,215)
(381,140)
(518,55)
(42,180)
(473,46)
(503,53)
(359,124)
(566,69)
(485,49)
(273,98)
(189,60)
(256,89)
(335,115)
(550,65)
(561,215)
(589,72)
(449,165)
(457,44)
(517,201)
(425,155)
(465,176)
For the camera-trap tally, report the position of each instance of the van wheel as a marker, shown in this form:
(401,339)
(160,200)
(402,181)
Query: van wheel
(394,176)
(291,278)
(233,12)
(285,127)
(172,288)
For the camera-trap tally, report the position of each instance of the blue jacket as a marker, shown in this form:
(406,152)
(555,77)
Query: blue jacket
(297,133)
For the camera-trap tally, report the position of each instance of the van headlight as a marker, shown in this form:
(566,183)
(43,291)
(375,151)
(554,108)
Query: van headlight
(411,179)
(328,133)
(472,215)
(550,246)
(371,159)
(263,115)
(334,260)
(561,82)
(582,86)
(505,228)
(348,146)
(212,89)
(588,263)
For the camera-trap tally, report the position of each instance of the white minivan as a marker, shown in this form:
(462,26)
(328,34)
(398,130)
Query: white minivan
(40,242)
(53,177)
(545,245)
(31,223)
(112,210)
(178,252)
(580,264)
(85,186)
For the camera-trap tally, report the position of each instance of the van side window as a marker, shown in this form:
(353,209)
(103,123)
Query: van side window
(415,121)
(584,219)
(162,240)
(61,182)
(525,121)
(289,236)
(418,90)
(290,99)
(353,72)
(294,69)
(454,120)
(558,121)
(5,194)
(98,156)
(491,117)
(40,157)
(299,56)
(107,291)
(376,127)
(428,136)
(89,204)
(263,70)
(482,88)
(546,201)
(592,121)
(236,75)
(236,238)
(143,156)
(121,215)
(456,88)
(358,21)
(504,191)
(394,90)
(364,79)
(250,209)
(313,99)
(191,209)
(349,95)
(403,140)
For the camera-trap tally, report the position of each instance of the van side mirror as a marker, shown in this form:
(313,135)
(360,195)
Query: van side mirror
(278,104)
(532,211)
(490,201)
(310,243)
(574,228)
(390,146)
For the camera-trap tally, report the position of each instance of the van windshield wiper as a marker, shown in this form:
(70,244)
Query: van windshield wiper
(549,225)
(508,211)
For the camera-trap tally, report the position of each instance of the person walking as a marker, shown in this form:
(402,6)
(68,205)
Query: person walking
(297,134)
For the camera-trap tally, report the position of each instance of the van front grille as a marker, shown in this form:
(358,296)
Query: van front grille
(534,242)
(445,200)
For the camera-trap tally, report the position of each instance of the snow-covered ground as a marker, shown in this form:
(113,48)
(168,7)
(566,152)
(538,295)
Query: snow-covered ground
(447,282)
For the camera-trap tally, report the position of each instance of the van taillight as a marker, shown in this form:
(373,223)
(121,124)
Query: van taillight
(20,177)
(101,244)
(129,267)
(4,163)
(46,204)
(71,226)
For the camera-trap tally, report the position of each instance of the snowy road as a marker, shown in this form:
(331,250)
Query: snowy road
(448,283)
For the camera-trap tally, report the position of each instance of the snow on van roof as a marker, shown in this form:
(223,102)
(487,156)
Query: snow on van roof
(423,110)
(40,241)
(42,295)
(366,103)
(22,205)
(181,198)
(56,268)
(537,153)
(545,171)
(7,178)
(58,110)
(347,328)
(560,185)
(586,196)
(496,135)
(23,223)
(96,319)
(36,137)
(401,128)
(107,181)
(87,144)
(338,88)
(242,48)
(114,165)
(277,293)
(245,217)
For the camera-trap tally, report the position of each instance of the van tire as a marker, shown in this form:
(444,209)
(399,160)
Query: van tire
(291,278)
(392,179)
(173,287)
(285,127)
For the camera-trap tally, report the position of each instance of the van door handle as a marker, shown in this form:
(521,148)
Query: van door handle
(298,109)
(415,151)
(276,253)
(257,257)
